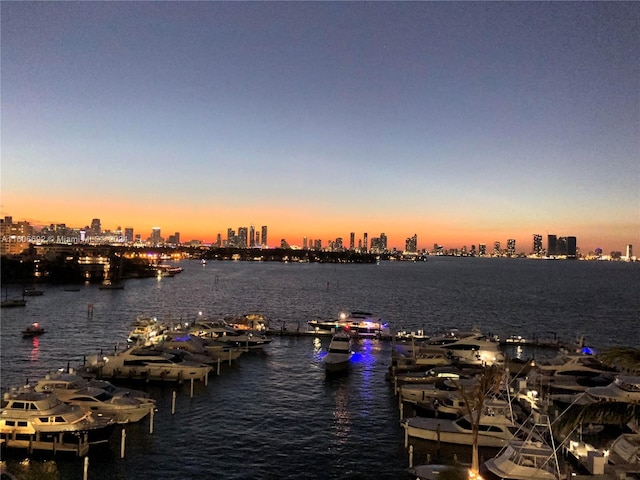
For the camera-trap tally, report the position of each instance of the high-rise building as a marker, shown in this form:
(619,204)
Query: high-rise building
(252,236)
(156,238)
(482,249)
(383,242)
(511,247)
(231,237)
(629,252)
(352,240)
(264,236)
(128,234)
(411,244)
(242,240)
(552,246)
(572,247)
(537,244)
(219,240)
(365,243)
(96,228)
(305,245)
(496,248)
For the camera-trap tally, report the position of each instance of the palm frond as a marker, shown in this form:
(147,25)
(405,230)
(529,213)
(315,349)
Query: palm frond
(601,413)
(623,358)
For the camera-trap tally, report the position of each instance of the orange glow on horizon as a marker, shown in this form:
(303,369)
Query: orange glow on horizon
(205,222)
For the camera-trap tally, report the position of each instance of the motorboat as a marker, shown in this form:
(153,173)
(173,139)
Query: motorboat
(203,350)
(122,409)
(253,322)
(38,420)
(141,363)
(63,381)
(221,331)
(145,329)
(496,427)
(529,458)
(521,460)
(458,348)
(625,388)
(428,392)
(123,405)
(358,323)
(570,373)
(338,356)
(33,330)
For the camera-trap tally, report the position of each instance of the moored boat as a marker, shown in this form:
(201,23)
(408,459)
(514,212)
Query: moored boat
(338,356)
(357,323)
(139,363)
(41,421)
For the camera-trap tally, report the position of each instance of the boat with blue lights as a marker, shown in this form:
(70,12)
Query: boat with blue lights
(339,353)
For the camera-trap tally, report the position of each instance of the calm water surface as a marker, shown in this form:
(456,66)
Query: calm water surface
(275,414)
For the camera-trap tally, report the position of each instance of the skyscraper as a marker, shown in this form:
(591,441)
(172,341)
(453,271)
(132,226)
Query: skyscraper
(537,244)
(242,240)
(352,240)
(264,236)
(552,246)
(365,242)
(96,228)
(252,236)
(511,247)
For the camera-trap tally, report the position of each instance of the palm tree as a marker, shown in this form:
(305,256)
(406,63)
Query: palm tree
(489,382)
(599,413)
(624,358)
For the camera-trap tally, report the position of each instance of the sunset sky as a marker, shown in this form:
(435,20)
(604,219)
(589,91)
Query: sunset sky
(463,123)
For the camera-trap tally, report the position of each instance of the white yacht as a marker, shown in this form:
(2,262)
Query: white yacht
(221,331)
(461,348)
(625,388)
(497,427)
(338,356)
(63,382)
(42,421)
(358,323)
(139,363)
(123,409)
(526,459)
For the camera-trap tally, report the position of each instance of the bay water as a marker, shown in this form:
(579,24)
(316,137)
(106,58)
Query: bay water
(275,414)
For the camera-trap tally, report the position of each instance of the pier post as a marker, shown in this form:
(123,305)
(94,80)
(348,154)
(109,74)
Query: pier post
(122,442)
(406,436)
(85,472)
(218,371)
(151,413)
(191,395)
(410,456)
(173,403)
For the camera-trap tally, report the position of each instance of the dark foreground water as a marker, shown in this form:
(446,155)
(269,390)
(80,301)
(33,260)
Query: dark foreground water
(275,415)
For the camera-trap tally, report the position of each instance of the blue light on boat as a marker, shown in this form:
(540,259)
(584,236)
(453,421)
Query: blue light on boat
(588,351)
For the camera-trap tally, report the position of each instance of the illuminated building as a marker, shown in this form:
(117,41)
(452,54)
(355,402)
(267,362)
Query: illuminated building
(264,236)
(537,244)
(511,247)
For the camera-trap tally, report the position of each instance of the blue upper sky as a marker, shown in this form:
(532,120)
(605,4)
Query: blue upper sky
(463,122)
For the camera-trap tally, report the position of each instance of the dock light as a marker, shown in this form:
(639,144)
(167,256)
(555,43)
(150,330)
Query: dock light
(343,316)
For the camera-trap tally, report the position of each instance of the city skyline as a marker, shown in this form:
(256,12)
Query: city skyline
(251,236)
(462,123)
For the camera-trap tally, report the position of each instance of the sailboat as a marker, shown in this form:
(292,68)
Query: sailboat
(16,302)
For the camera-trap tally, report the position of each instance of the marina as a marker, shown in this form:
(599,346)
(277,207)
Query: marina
(279,399)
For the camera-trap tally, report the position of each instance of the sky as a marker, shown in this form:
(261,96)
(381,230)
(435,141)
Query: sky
(461,122)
